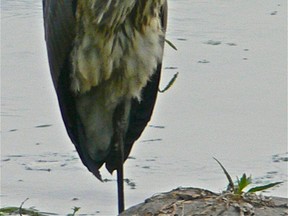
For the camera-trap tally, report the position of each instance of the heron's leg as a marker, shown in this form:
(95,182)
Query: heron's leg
(120,170)
(120,125)
(120,186)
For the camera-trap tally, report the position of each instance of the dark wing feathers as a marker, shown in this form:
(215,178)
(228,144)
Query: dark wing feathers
(59,23)
(141,112)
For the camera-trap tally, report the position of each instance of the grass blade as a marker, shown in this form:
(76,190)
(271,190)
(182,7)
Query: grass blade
(231,184)
(243,183)
(264,187)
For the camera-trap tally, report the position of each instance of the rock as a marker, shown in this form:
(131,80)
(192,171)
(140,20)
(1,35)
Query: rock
(196,202)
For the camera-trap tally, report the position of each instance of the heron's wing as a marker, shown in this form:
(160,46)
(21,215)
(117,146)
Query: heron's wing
(141,112)
(59,24)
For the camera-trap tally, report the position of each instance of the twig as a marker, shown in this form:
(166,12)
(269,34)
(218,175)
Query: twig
(171,82)
(170,44)
(20,208)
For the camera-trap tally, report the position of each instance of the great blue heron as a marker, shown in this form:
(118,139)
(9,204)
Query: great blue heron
(105,60)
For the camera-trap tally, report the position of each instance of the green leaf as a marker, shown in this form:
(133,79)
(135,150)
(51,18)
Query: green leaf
(231,184)
(75,210)
(264,187)
(243,182)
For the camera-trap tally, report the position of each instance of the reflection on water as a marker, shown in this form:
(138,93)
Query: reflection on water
(219,106)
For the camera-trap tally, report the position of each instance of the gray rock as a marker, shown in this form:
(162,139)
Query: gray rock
(200,202)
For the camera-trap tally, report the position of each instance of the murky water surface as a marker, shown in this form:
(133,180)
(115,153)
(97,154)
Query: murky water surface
(228,102)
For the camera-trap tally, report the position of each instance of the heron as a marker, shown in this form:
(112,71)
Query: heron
(105,60)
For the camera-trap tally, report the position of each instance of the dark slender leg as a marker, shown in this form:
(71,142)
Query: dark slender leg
(120,184)
(120,114)
(120,170)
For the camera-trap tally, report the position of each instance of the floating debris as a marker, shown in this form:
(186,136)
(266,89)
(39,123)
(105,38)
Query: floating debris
(280,157)
(151,160)
(151,140)
(130,183)
(15,156)
(272,172)
(212,42)
(146,167)
(157,126)
(171,68)
(44,162)
(43,126)
(204,61)
(107,180)
(231,44)
(182,39)
(37,169)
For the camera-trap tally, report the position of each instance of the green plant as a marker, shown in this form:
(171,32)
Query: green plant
(75,209)
(18,211)
(21,211)
(29,212)
(243,182)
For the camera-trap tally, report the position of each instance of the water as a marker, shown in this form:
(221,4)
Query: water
(228,102)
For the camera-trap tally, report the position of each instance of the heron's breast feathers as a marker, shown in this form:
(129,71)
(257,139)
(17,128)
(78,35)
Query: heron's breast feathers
(118,45)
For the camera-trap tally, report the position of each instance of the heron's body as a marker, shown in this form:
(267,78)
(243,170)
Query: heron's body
(105,60)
